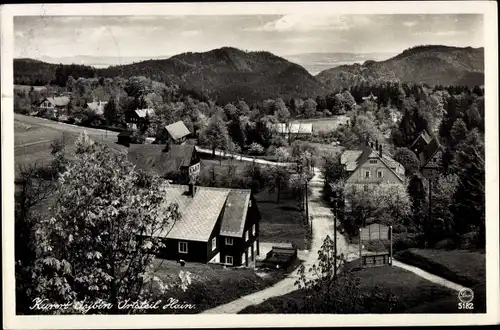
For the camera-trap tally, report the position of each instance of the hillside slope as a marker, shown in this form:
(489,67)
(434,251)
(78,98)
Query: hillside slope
(432,65)
(227,74)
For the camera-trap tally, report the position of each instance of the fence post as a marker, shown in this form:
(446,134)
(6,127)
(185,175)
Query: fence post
(390,234)
(360,257)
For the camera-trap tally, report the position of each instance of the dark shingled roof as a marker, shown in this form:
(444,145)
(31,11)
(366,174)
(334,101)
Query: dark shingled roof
(235,213)
(177,130)
(199,213)
(154,159)
(422,136)
(428,153)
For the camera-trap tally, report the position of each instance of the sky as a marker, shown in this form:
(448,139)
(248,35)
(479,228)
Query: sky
(155,36)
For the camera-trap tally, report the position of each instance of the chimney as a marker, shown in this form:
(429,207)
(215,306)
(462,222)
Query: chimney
(191,189)
(367,141)
(380,151)
(371,144)
(376,144)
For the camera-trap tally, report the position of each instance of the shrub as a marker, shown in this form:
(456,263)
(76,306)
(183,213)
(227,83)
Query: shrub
(327,113)
(445,244)
(256,149)
(404,242)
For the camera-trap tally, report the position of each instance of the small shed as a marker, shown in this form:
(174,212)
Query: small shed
(279,257)
(124,138)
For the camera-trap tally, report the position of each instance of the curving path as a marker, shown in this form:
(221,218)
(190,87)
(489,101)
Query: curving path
(322,225)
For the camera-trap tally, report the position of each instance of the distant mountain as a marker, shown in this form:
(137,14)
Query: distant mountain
(99,61)
(228,74)
(432,65)
(317,62)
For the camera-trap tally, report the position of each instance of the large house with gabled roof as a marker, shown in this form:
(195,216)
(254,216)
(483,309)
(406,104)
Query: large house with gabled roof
(369,166)
(217,225)
(178,163)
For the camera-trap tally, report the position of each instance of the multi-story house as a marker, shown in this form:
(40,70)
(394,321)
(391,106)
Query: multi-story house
(370,166)
(97,107)
(217,225)
(53,106)
(139,119)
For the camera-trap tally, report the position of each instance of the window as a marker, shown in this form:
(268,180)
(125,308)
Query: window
(229,260)
(373,161)
(229,241)
(246,236)
(367,173)
(214,243)
(253,230)
(365,187)
(183,247)
(380,174)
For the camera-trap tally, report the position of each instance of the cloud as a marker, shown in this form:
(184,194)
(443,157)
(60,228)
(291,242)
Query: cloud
(307,23)
(190,33)
(447,33)
(410,23)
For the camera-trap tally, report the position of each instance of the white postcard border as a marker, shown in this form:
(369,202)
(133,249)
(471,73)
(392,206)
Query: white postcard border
(489,9)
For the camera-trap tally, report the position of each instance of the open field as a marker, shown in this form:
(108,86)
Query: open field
(323,124)
(28,88)
(212,285)
(281,222)
(467,268)
(33,137)
(408,289)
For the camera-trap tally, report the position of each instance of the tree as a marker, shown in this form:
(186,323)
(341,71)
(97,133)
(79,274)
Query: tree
(255,176)
(328,292)
(418,195)
(215,134)
(309,108)
(100,242)
(32,188)
(278,178)
(349,101)
(393,204)
(442,224)
(469,206)
(110,111)
(282,154)
(408,159)
(281,111)
(243,108)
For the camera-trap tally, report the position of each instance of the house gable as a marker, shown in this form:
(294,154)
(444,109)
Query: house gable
(370,167)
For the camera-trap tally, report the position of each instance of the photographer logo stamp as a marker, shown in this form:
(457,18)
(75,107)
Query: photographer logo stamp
(466,296)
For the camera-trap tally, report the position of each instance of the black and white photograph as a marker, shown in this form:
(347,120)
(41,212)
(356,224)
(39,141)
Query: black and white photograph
(171,162)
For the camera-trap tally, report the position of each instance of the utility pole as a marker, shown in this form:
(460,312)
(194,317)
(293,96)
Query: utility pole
(430,198)
(307,202)
(335,238)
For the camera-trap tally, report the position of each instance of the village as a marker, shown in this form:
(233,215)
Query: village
(245,226)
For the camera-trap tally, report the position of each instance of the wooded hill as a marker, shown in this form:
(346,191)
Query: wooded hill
(229,74)
(432,65)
